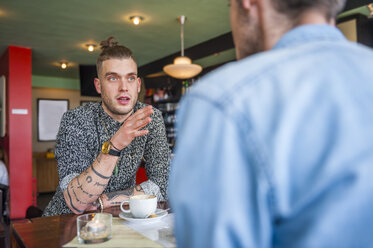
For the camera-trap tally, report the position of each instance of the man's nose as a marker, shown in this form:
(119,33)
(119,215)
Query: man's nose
(123,84)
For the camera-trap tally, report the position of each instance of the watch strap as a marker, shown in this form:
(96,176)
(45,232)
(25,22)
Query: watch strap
(112,145)
(114,152)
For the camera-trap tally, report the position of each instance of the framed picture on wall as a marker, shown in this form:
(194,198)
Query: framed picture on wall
(50,112)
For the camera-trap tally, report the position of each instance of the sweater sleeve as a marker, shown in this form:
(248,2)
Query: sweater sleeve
(72,154)
(157,156)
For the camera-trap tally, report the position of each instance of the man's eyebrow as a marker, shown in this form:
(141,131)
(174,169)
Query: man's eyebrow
(117,74)
(111,73)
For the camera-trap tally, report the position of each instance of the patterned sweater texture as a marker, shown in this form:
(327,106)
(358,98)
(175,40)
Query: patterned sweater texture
(79,141)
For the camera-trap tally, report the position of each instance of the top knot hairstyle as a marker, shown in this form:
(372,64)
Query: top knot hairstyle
(294,8)
(108,43)
(112,50)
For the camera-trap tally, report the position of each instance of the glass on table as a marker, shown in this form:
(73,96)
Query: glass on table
(94,228)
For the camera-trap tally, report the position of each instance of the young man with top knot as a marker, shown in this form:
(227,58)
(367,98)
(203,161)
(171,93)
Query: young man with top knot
(100,145)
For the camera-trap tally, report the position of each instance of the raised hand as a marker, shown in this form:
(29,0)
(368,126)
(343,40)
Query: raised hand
(131,128)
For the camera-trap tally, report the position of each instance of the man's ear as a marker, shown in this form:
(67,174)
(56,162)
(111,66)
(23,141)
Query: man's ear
(138,85)
(98,85)
(246,4)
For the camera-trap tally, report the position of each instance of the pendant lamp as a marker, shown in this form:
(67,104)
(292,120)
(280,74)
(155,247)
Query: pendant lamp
(182,68)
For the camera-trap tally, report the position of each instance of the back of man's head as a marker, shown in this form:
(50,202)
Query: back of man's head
(111,50)
(294,8)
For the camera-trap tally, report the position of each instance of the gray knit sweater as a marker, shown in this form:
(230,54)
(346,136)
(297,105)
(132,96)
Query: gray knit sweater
(79,142)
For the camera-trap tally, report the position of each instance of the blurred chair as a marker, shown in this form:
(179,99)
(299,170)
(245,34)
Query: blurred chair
(4,196)
(141,173)
(33,212)
(4,218)
(141,176)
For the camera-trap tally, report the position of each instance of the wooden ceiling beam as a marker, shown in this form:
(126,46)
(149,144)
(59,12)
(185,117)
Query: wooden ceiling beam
(215,45)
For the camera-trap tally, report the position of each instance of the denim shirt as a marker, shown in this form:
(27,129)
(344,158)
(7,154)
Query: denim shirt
(276,150)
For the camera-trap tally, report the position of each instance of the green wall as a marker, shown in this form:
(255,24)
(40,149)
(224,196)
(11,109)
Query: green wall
(55,82)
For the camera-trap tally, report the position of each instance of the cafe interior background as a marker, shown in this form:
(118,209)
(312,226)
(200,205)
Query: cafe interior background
(40,37)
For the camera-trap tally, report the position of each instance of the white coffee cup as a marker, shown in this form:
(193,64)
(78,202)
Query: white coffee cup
(141,206)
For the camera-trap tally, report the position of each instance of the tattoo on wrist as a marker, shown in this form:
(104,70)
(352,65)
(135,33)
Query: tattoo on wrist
(96,203)
(99,184)
(115,203)
(99,174)
(71,202)
(88,179)
(139,188)
(127,192)
(85,192)
(77,199)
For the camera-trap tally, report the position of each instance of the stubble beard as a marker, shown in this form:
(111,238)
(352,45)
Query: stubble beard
(110,105)
(251,40)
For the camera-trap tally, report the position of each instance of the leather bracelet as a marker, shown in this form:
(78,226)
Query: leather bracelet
(101,204)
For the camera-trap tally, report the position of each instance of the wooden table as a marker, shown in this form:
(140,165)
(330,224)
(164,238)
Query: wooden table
(54,231)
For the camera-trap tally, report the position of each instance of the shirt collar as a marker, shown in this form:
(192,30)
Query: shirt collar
(309,33)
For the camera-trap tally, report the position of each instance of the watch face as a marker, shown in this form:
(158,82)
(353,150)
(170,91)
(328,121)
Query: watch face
(106,147)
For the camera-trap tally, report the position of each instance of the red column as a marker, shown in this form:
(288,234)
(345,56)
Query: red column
(15,64)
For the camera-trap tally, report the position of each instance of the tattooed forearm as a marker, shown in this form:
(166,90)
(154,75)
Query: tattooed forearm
(115,203)
(88,179)
(99,184)
(71,203)
(98,174)
(127,192)
(85,192)
(77,199)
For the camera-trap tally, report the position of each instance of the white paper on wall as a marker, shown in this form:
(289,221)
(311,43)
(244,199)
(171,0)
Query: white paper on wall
(49,117)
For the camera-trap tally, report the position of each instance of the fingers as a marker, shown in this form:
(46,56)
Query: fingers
(131,127)
(142,123)
(148,110)
(142,113)
(141,133)
(140,118)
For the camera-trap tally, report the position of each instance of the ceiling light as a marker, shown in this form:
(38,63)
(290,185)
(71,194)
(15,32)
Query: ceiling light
(136,19)
(91,47)
(63,65)
(182,67)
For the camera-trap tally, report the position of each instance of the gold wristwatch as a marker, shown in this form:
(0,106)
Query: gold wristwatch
(107,149)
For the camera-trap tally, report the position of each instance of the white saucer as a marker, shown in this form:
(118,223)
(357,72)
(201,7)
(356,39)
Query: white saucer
(159,212)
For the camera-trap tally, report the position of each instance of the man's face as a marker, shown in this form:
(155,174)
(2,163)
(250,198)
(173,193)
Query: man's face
(119,87)
(247,35)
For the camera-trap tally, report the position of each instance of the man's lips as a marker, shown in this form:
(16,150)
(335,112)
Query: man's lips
(124,99)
